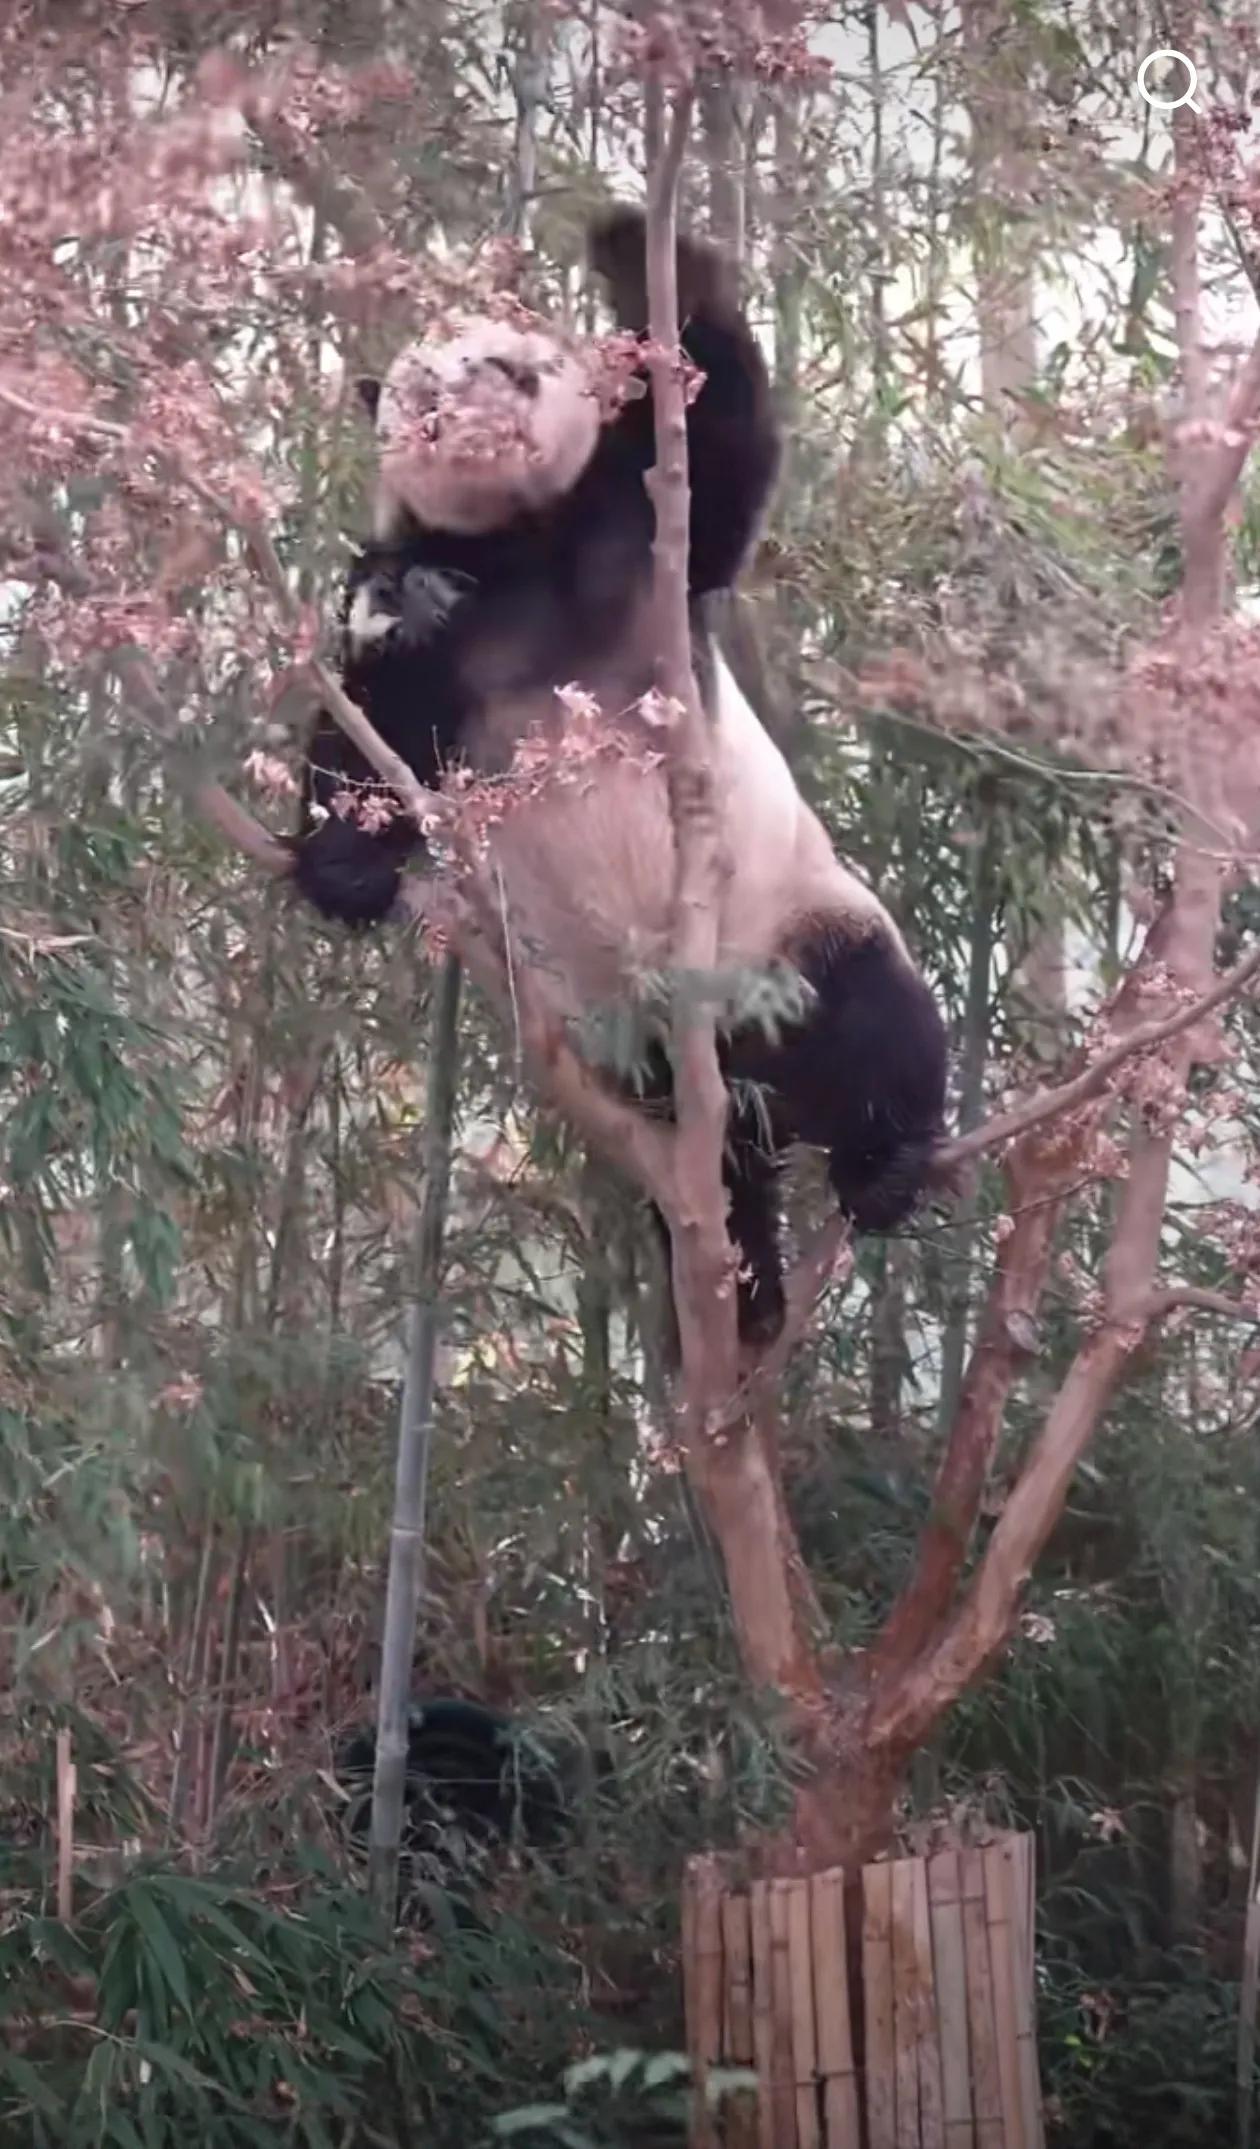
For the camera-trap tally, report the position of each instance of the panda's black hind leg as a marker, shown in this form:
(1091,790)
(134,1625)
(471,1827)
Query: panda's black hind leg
(863,1077)
(751,1182)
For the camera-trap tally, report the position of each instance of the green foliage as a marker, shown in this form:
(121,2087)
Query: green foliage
(183,2005)
(1151,2059)
(621,2100)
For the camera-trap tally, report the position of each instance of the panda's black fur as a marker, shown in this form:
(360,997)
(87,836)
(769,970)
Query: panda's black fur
(456,640)
(468,1767)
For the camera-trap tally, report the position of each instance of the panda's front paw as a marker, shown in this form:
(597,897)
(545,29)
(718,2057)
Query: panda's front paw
(407,610)
(375,614)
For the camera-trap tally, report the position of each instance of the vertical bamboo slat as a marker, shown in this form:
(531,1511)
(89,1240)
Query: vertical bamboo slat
(877,1980)
(706,2028)
(739,2129)
(841,2125)
(762,2010)
(783,2075)
(905,2005)
(986,2088)
(804,2038)
(931,2117)
(1022,1912)
(737,1951)
(949,1958)
(1002,1965)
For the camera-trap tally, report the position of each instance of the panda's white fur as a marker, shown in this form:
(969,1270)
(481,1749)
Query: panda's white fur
(481,423)
(586,865)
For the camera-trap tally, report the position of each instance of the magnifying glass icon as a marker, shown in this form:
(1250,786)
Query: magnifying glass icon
(1169,104)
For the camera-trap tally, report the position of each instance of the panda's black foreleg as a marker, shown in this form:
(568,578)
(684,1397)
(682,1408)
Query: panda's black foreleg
(347,871)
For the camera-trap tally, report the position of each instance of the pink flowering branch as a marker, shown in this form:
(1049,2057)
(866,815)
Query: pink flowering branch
(927,1657)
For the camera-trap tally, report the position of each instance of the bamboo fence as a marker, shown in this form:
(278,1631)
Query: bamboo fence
(938,2049)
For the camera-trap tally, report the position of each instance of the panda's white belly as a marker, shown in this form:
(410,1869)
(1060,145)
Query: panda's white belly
(585,870)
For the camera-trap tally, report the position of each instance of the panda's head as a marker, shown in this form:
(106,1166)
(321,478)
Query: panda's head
(477,426)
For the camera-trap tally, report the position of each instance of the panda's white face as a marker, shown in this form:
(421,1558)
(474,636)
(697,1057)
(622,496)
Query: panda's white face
(481,425)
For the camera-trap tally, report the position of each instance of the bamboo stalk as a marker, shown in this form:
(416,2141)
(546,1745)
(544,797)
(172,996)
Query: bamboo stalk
(67,1783)
(931,2116)
(905,2005)
(737,1952)
(1245,2061)
(706,2049)
(1022,1910)
(406,1545)
(1002,1962)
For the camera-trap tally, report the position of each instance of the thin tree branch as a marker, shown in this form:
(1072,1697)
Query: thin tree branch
(1214,481)
(1047,1104)
(1177,1296)
(624,1134)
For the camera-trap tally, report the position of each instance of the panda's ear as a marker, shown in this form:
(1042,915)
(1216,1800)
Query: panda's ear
(368,390)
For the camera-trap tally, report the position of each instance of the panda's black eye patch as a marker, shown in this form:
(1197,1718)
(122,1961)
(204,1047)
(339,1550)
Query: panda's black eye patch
(523,377)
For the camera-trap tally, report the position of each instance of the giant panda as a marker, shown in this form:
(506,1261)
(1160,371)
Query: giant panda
(512,557)
(469,1768)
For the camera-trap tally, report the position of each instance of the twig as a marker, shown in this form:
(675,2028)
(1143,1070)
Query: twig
(623,1133)
(1190,1295)
(1050,1103)
(66,1785)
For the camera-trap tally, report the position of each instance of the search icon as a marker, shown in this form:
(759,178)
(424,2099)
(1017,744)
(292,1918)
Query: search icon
(1170,104)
